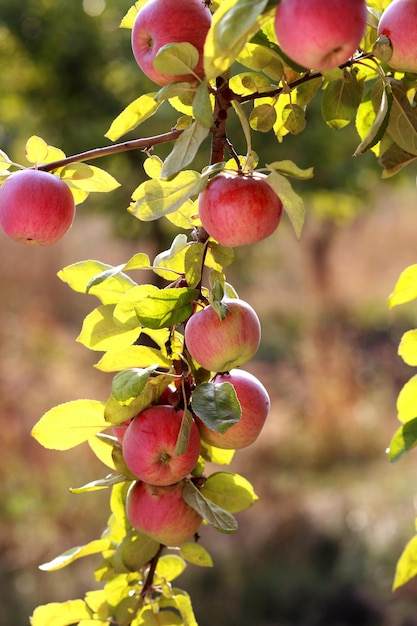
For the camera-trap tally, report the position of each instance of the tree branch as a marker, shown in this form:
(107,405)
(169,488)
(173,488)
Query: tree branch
(136,144)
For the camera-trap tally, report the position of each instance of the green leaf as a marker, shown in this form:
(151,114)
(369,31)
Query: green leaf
(263,117)
(294,118)
(217,406)
(116,414)
(176,58)
(292,202)
(135,550)
(124,314)
(202,105)
(193,263)
(184,433)
(69,424)
(99,331)
(407,565)
(393,159)
(340,101)
(404,439)
(408,347)
(402,126)
(166,308)
(172,259)
(185,149)
(219,518)
(289,168)
(129,384)
(229,491)
(134,114)
(155,198)
(407,401)
(61,613)
(94,547)
(233,25)
(196,554)
(405,289)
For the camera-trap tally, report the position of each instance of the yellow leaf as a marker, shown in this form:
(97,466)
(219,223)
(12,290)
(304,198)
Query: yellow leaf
(99,331)
(103,451)
(406,288)
(94,547)
(60,613)
(36,149)
(407,401)
(408,347)
(133,356)
(407,564)
(79,274)
(67,425)
(134,114)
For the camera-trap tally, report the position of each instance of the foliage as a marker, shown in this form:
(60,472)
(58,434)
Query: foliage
(138,324)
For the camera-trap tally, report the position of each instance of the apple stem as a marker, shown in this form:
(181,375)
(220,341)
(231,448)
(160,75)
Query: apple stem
(151,572)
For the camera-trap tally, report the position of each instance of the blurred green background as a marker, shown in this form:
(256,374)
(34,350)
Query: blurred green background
(319,548)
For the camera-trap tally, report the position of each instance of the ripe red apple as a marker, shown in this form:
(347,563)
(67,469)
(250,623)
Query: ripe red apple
(218,345)
(36,208)
(162,513)
(238,210)
(399,24)
(149,446)
(255,404)
(161,22)
(320,34)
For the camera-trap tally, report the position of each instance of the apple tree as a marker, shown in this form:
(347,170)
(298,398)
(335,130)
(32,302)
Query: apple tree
(173,331)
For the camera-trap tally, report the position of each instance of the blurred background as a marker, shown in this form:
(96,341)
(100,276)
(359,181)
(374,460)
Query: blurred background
(320,546)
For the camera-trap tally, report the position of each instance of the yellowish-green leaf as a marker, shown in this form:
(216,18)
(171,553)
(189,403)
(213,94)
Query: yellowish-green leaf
(184,150)
(405,289)
(78,275)
(100,332)
(249,82)
(262,118)
(94,547)
(134,114)
(176,58)
(125,313)
(233,25)
(136,550)
(5,162)
(293,117)
(89,178)
(61,613)
(133,356)
(170,567)
(262,59)
(403,440)
(203,105)
(292,202)
(408,348)
(196,554)
(229,491)
(155,198)
(172,259)
(216,455)
(184,606)
(102,450)
(407,565)
(67,425)
(407,401)
(153,166)
(289,168)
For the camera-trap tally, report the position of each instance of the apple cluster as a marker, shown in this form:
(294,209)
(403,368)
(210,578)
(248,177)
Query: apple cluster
(154,503)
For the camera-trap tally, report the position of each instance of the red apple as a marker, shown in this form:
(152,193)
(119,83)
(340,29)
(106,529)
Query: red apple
(399,24)
(36,208)
(320,34)
(161,22)
(162,513)
(149,446)
(238,210)
(255,403)
(218,345)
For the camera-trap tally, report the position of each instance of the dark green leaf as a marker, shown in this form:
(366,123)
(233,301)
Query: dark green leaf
(135,550)
(340,100)
(217,406)
(219,518)
(184,433)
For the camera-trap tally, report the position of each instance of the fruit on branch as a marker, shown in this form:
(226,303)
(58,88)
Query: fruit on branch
(255,403)
(161,22)
(399,24)
(217,344)
(320,34)
(162,513)
(237,210)
(149,446)
(36,208)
